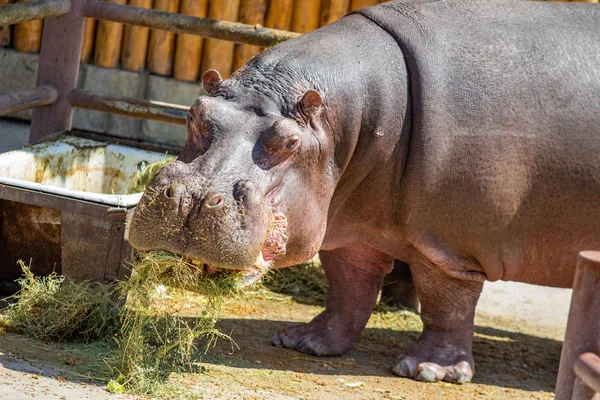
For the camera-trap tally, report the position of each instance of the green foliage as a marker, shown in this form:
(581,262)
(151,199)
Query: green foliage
(55,308)
(142,177)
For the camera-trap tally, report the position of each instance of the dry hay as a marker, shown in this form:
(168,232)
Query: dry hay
(58,309)
(157,336)
(142,314)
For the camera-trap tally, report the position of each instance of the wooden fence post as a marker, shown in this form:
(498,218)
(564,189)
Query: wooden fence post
(89,35)
(332,10)
(583,327)
(188,49)
(27,36)
(252,12)
(135,42)
(109,38)
(306,16)
(162,43)
(59,67)
(218,54)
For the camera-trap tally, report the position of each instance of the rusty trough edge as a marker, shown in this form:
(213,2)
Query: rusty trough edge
(205,27)
(153,110)
(26,99)
(587,368)
(32,10)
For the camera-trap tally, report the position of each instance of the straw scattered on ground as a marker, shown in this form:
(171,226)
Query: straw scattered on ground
(162,318)
(58,309)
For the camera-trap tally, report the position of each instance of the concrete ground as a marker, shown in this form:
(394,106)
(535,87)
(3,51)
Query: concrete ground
(20,379)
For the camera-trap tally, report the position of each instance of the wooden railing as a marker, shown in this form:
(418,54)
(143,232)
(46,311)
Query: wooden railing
(579,372)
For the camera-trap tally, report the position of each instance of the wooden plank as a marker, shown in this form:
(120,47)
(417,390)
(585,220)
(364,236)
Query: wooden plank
(188,49)
(279,14)
(218,54)
(89,34)
(306,15)
(162,43)
(356,4)
(135,42)
(28,35)
(5,29)
(333,10)
(109,38)
(252,12)
(59,67)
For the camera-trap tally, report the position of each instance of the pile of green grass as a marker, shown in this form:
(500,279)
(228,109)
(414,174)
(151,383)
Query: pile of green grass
(58,309)
(142,177)
(142,314)
(156,337)
(305,283)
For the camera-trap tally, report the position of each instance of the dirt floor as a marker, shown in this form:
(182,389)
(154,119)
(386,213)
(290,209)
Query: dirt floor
(517,357)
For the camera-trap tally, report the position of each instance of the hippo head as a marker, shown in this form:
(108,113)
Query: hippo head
(253,181)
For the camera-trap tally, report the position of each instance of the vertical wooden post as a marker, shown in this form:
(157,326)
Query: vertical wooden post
(162,43)
(188,49)
(4,29)
(306,16)
(252,12)
(332,10)
(59,68)
(356,4)
(109,38)
(135,42)
(218,54)
(583,327)
(88,40)
(279,15)
(28,35)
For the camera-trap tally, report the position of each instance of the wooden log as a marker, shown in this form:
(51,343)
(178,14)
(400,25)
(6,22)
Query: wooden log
(332,10)
(135,42)
(306,16)
(4,29)
(89,34)
(279,15)
(356,4)
(27,36)
(188,49)
(252,12)
(162,43)
(218,54)
(109,38)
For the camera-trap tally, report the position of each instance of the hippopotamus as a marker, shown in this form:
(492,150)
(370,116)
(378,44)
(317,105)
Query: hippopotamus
(461,137)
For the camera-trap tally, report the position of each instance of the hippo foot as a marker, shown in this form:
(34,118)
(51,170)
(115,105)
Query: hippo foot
(316,338)
(428,363)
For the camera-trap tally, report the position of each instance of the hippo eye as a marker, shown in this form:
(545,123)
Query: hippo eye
(292,143)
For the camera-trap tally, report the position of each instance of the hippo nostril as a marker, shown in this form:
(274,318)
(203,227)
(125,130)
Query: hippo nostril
(242,189)
(213,201)
(175,190)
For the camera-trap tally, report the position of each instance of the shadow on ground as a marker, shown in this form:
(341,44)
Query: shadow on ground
(504,359)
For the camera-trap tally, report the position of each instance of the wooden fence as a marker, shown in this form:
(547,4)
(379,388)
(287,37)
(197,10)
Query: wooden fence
(134,48)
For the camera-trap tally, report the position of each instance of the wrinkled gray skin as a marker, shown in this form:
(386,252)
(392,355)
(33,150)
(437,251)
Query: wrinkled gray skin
(345,167)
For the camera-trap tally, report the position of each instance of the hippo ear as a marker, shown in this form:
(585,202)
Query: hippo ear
(311,102)
(211,80)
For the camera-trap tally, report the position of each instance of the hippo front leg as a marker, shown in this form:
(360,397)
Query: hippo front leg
(354,277)
(448,300)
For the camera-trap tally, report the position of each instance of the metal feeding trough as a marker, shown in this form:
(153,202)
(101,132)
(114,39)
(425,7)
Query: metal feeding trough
(63,206)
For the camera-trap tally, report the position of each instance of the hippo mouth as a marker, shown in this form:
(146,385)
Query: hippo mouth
(273,247)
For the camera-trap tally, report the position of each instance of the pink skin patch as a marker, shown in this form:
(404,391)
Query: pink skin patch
(273,247)
(277,239)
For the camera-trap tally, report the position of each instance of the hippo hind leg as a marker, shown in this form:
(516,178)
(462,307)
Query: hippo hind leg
(354,276)
(448,298)
(399,288)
